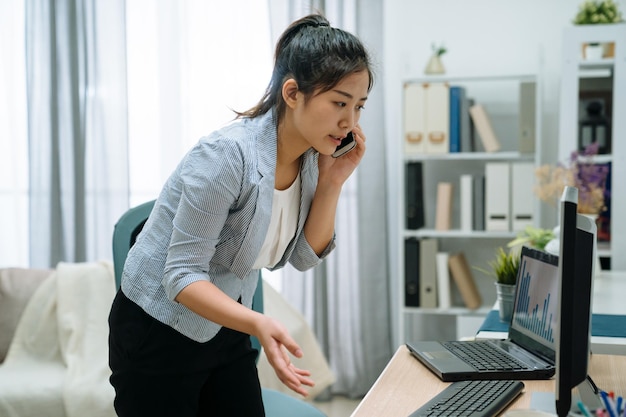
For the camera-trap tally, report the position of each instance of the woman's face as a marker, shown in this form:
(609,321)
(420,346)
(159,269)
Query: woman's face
(326,118)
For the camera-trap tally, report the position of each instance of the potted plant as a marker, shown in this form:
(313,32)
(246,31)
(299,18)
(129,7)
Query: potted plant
(504,269)
(534,237)
(598,12)
(435,66)
(505,265)
(594,13)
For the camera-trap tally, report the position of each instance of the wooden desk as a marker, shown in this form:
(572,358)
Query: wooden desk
(405,384)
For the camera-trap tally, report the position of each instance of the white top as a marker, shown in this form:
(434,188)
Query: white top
(283,224)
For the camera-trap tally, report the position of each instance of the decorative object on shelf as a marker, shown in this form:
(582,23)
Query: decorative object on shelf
(582,172)
(608,50)
(554,245)
(595,123)
(435,66)
(593,51)
(598,12)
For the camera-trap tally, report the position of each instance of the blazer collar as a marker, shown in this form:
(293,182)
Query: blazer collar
(267,143)
(266,154)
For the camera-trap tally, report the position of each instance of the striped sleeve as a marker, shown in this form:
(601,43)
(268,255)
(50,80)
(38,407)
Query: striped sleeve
(211,178)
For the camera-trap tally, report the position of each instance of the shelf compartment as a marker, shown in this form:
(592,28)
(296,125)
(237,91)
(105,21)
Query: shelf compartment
(469,156)
(452,311)
(456,233)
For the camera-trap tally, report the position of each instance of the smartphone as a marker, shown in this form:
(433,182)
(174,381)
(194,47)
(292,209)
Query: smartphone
(347,144)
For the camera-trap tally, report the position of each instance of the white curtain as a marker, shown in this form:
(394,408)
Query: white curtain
(190,63)
(13,137)
(76,111)
(99,102)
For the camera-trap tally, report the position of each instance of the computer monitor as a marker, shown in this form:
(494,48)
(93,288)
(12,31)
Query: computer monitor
(576,270)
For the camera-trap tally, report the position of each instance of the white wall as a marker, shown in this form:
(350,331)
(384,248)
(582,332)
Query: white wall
(483,37)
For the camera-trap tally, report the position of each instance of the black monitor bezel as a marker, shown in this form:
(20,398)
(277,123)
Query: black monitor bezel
(576,270)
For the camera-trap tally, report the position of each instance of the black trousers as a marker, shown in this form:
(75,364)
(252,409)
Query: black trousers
(156,371)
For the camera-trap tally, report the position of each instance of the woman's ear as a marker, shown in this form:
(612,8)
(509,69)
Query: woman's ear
(290,92)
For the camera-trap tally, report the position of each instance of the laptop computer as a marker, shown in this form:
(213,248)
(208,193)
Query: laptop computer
(529,350)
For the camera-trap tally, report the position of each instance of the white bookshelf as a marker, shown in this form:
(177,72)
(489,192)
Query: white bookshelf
(479,246)
(611,72)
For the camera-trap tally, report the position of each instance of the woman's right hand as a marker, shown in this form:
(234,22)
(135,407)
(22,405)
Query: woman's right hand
(278,344)
(204,298)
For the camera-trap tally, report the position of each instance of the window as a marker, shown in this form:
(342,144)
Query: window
(188,64)
(13,138)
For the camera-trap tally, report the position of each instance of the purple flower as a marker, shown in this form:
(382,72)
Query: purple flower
(579,171)
(590,179)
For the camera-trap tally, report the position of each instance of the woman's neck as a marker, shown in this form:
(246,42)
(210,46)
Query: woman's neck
(288,156)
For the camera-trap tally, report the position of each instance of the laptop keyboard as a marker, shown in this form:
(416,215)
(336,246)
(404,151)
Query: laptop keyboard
(484,356)
(472,399)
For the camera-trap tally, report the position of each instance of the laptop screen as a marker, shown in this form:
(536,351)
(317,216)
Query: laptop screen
(534,321)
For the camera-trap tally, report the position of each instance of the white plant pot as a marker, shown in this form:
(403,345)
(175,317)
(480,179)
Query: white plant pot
(593,52)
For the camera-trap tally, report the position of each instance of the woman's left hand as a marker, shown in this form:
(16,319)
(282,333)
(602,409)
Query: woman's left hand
(339,169)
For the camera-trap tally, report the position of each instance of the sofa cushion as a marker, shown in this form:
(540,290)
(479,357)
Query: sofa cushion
(17,285)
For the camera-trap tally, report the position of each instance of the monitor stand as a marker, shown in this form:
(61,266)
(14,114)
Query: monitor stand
(544,401)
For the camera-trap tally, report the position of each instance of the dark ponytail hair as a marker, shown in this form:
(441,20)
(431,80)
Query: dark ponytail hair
(317,56)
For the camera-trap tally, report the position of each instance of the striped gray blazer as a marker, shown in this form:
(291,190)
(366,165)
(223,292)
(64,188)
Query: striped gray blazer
(210,221)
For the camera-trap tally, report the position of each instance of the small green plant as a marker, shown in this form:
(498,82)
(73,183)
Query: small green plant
(438,50)
(504,267)
(532,236)
(598,12)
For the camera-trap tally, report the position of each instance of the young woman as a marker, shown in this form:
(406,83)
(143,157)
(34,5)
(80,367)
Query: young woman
(255,194)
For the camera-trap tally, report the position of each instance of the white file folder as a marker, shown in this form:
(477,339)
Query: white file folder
(437,118)
(497,196)
(414,118)
(444,295)
(426,118)
(522,196)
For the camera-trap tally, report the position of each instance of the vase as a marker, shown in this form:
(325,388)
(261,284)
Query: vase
(554,246)
(506,299)
(434,66)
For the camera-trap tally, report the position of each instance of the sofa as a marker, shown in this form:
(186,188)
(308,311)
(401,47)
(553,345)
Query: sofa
(56,364)
(17,285)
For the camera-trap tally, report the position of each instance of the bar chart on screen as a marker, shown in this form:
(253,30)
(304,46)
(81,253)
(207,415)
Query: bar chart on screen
(536,308)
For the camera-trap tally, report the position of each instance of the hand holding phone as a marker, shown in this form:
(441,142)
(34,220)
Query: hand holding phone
(347,144)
